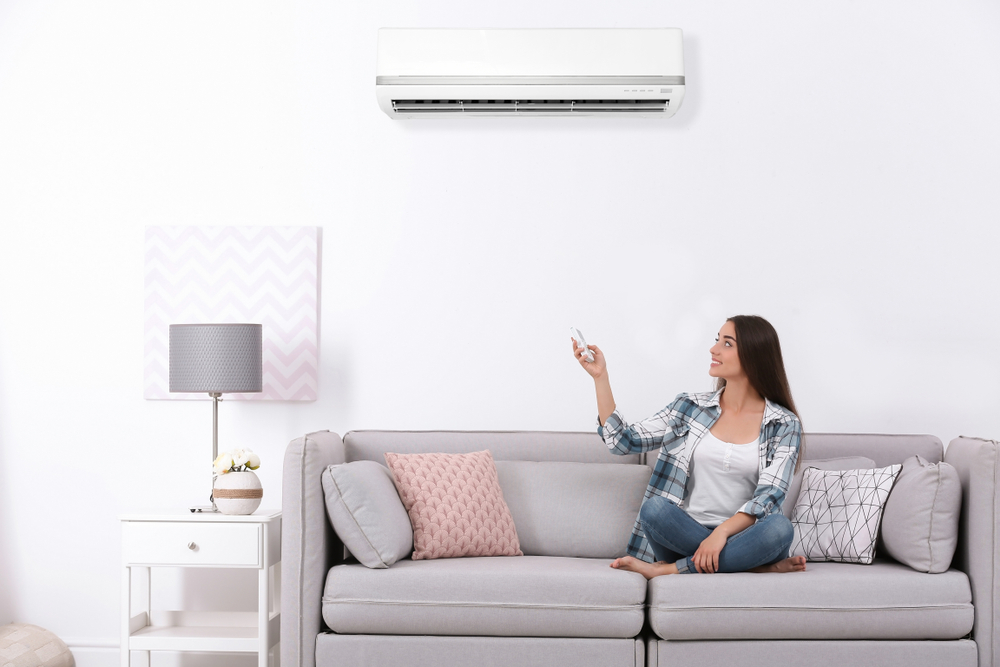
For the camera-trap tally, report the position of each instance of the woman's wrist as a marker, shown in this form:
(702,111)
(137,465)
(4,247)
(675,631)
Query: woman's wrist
(735,524)
(605,399)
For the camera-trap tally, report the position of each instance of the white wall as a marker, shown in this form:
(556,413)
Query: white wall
(832,168)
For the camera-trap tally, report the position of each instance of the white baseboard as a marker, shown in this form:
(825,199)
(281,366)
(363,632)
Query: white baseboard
(94,656)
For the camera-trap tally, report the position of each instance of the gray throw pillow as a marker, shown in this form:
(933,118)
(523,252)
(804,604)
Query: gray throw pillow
(838,463)
(920,522)
(366,512)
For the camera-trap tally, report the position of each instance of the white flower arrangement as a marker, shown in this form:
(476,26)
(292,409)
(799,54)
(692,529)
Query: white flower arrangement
(236,460)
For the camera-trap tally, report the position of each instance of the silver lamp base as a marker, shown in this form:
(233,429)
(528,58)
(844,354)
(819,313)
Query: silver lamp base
(207,508)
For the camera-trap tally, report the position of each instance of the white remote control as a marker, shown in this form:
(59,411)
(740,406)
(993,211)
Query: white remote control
(581,342)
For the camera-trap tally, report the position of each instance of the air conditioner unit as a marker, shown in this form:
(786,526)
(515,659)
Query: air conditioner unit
(434,73)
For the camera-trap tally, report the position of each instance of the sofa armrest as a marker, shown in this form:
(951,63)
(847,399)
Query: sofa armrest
(978,555)
(309,547)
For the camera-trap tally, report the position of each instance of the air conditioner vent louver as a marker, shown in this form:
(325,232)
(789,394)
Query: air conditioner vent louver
(528,106)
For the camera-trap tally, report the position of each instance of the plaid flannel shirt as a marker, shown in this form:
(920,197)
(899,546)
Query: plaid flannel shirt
(678,428)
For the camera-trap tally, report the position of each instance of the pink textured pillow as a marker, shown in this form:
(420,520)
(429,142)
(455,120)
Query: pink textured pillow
(455,504)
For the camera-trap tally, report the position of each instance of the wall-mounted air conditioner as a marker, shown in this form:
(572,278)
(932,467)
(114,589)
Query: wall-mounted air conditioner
(434,73)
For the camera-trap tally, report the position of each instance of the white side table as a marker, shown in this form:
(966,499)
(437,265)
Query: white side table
(184,539)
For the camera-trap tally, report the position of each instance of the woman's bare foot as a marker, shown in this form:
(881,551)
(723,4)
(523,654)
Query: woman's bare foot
(648,570)
(793,564)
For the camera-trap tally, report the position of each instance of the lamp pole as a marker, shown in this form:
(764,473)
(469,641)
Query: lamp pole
(216,397)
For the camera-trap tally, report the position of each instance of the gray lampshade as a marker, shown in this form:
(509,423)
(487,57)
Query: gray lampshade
(216,358)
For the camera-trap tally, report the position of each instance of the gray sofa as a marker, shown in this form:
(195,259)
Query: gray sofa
(560,604)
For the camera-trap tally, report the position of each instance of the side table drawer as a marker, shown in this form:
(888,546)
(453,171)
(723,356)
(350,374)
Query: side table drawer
(167,543)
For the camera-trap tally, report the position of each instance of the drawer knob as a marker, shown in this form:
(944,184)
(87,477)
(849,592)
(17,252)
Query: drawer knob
(192,546)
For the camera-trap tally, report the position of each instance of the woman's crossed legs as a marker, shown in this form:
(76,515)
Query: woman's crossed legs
(675,536)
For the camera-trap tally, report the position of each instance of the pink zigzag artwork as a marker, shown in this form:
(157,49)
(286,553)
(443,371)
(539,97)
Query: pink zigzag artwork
(261,275)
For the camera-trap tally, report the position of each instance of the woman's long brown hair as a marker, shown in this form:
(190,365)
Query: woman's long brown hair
(759,352)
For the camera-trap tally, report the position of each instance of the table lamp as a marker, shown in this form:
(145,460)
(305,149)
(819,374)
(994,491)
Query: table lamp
(217,359)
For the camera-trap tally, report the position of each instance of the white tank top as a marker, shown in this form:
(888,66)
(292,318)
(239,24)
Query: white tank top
(723,477)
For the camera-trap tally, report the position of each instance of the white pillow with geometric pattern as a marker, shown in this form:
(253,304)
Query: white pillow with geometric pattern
(837,514)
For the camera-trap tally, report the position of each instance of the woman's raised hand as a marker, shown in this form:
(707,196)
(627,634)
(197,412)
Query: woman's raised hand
(598,366)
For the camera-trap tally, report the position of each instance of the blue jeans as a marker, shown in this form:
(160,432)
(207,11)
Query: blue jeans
(674,537)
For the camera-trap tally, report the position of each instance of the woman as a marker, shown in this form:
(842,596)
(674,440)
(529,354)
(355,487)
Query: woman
(726,457)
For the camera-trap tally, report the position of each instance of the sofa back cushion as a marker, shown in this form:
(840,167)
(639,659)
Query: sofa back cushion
(582,510)
(885,450)
(503,445)
(549,502)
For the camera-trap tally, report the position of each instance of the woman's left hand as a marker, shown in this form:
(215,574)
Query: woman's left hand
(706,558)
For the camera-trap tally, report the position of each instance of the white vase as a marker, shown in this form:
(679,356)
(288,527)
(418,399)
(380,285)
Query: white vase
(238,492)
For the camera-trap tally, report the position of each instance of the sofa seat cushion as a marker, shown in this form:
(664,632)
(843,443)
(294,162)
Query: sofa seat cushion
(884,600)
(525,596)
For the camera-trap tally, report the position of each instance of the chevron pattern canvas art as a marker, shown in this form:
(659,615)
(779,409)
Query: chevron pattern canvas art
(837,514)
(260,275)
